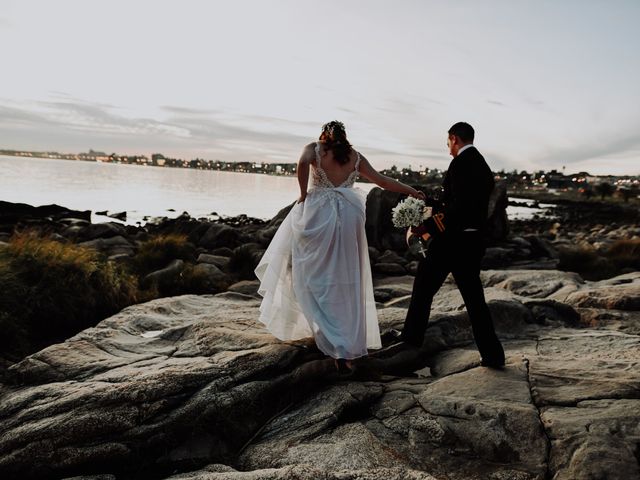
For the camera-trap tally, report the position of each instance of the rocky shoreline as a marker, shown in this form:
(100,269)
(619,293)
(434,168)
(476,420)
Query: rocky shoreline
(192,387)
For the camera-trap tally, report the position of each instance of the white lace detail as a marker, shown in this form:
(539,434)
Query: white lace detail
(320,179)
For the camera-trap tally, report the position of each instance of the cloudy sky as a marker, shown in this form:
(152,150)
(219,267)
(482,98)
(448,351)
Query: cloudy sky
(546,84)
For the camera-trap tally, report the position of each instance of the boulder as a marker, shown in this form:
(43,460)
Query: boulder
(280,216)
(119,216)
(214,276)
(194,386)
(390,256)
(105,243)
(381,233)
(389,269)
(618,293)
(220,235)
(103,230)
(222,252)
(497,221)
(165,276)
(217,260)
(412,267)
(11,213)
(246,287)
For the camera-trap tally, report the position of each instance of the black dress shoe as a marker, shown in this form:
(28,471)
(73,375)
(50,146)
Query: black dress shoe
(498,365)
(391,337)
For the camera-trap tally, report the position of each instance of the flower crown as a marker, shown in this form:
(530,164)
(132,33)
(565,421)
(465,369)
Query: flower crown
(333,126)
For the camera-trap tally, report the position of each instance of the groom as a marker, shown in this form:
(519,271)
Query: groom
(459,249)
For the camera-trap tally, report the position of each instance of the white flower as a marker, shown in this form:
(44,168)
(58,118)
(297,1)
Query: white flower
(410,213)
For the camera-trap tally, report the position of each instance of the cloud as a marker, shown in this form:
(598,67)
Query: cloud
(185,132)
(18,117)
(69,124)
(186,110)
(590,151)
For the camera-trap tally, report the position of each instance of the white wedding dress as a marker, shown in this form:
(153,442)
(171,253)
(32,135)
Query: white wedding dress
(315,275)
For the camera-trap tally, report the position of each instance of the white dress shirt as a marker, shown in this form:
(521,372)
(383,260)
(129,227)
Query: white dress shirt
(468,145)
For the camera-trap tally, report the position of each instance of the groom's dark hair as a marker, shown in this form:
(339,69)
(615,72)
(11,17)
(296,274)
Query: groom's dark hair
(462,130)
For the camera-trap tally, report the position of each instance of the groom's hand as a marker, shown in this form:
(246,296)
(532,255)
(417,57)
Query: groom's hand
(419,230)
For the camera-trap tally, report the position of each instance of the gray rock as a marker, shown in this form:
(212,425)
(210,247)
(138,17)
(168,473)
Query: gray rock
(217,260)
(122,250)
(389,269)
(164,276)
(381,234)
(120,258)
(119,215)
(105,243)
(394,286)
(594,439)
(520,242)
(618,293)
(195,382)
(266,235)
(537,264)
(103,230)
(496,257)
(74,221)
(534,283)
(497,221)
(390,256)
(215,277)
(222,252)
(219,235)
(412,267)
(301,472)
(246,287)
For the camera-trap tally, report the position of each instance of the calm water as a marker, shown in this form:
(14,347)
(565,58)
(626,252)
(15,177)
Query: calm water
(152,191)
(141,190)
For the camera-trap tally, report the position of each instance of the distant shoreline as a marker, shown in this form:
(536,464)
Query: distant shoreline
(183,163)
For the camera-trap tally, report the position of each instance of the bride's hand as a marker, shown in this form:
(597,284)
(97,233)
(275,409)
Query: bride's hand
(418,194)
(301,199)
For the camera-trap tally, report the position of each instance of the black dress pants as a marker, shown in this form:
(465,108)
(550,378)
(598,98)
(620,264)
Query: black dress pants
(460,254)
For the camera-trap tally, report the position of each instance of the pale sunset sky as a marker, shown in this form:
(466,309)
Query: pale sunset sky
(546,84)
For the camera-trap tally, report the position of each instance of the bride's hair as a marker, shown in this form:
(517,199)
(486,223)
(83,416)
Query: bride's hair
(334,136)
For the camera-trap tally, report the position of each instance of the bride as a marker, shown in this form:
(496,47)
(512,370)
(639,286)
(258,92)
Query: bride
(315,275)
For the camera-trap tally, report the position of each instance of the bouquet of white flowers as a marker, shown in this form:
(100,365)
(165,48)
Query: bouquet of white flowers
(410,212)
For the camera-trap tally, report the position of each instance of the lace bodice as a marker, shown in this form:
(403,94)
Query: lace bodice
(319,176)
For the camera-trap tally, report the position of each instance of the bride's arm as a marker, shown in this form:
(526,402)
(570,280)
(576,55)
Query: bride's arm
(306,157)
(388,183)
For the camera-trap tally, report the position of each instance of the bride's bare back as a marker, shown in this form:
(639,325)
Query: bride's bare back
(336,172)
(333,174)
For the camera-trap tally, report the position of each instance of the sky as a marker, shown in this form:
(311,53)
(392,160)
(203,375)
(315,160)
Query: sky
(545,84)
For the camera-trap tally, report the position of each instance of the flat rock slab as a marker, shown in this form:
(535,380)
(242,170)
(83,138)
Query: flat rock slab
(194,387)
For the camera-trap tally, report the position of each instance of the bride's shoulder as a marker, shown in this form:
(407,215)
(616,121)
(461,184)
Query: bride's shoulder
(359,155)
(309,152)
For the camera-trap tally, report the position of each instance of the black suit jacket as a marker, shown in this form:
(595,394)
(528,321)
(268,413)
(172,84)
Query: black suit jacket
(467,186)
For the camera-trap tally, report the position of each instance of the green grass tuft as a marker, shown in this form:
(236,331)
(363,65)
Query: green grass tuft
(51,290)
(157,252)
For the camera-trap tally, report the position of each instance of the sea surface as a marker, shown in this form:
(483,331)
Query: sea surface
(146,191)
